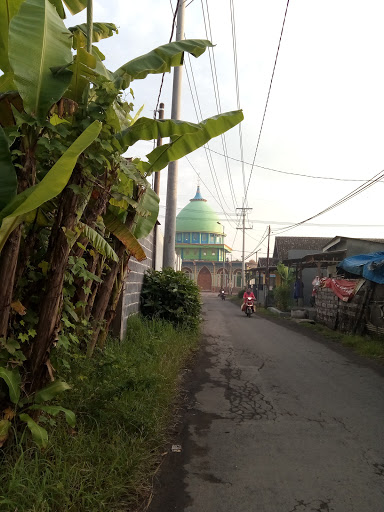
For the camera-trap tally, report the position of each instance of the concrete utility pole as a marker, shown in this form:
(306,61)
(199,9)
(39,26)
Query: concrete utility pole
(243,251)
(222,279)
(156,188)
(170,211)
(267,270)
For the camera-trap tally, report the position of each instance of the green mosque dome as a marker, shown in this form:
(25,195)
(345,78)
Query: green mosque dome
(198,216)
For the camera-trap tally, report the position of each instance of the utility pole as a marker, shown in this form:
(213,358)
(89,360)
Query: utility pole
(170,210)
(243,210)
(267,270)
(156,187)
(222,279)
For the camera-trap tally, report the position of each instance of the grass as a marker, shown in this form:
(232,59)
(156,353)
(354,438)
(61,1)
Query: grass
(123,400)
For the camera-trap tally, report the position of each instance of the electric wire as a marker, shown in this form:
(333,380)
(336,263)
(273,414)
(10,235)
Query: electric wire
(170,40)
(236,68)
(369,183)
(267,101)
(290,173)
(212,62)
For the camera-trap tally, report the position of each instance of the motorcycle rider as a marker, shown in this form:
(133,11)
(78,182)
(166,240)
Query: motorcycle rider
(248,294)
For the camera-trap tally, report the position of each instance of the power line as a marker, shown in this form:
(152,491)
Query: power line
(288,172)
(369,183)
(170,39)
(234,47)
(267,101)
(216,90)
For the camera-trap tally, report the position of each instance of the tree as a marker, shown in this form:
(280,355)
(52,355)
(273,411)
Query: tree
(72,207)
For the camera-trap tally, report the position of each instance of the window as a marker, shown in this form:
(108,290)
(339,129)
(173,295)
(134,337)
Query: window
(213,253)
(179,237)
(186,238)
(211,238)
(204,238)
(195,238)
(204,253)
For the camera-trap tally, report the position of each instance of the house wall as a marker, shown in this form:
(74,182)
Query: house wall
(364,313)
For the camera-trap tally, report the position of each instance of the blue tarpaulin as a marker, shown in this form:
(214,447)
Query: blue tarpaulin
(370,266)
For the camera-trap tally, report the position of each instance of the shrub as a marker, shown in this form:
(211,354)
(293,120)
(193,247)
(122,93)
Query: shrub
(282,296)
(171,296)
(240,293)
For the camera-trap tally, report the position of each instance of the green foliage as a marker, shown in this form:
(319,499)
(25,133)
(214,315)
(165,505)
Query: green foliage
(240,294)
(171,296)
(282,293)
(282,297)
(65,186)
(123,399)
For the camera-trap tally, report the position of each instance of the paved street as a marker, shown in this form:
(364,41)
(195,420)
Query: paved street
(277,422)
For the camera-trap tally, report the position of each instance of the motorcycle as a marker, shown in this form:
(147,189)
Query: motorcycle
(249,307)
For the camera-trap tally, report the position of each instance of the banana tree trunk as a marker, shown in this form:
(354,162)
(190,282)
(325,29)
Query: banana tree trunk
(8,265)
(111,309)
(102,299)
(50,309)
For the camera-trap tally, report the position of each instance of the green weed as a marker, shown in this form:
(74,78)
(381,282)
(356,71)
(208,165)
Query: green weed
(123,402)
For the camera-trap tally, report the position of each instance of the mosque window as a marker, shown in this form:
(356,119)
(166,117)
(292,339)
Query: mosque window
(211,238)
(195,238)
(179,237)
(204,238)
(186,238)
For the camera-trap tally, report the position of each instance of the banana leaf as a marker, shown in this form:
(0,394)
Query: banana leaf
(83,69)
(52,184)
(8,177)
(38,43)
(7,82)
(182,145)
(121,231)
(145,224)
(100,31)
(8,9)
(159,60)
(98,242)
(74,6)
(149,129)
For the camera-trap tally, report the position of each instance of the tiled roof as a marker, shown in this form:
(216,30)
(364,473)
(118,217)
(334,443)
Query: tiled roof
(283,244)
(262,262)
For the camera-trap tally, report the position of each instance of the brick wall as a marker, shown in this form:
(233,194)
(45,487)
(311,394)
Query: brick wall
(129,303)
(340,315)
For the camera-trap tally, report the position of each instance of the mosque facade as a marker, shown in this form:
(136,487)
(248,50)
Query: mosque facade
(200,242)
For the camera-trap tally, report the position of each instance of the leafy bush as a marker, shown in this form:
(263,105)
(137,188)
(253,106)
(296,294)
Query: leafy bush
(171,296)
(282,297)
(241,293)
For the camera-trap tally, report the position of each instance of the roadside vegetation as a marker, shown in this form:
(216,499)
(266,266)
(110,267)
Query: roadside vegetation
(123,399)
(73,205)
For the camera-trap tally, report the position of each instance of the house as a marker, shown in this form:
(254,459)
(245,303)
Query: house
(291,249)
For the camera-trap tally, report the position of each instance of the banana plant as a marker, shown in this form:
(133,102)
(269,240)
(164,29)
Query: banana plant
(65,185)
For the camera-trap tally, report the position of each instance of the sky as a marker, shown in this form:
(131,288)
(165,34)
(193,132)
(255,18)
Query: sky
(324,116)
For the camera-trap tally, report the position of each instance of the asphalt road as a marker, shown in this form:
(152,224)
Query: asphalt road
(277,422)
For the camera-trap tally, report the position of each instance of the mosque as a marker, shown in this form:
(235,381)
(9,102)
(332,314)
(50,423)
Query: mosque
(200,242)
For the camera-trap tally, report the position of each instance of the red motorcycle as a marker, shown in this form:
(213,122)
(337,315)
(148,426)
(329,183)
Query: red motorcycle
(248,307)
